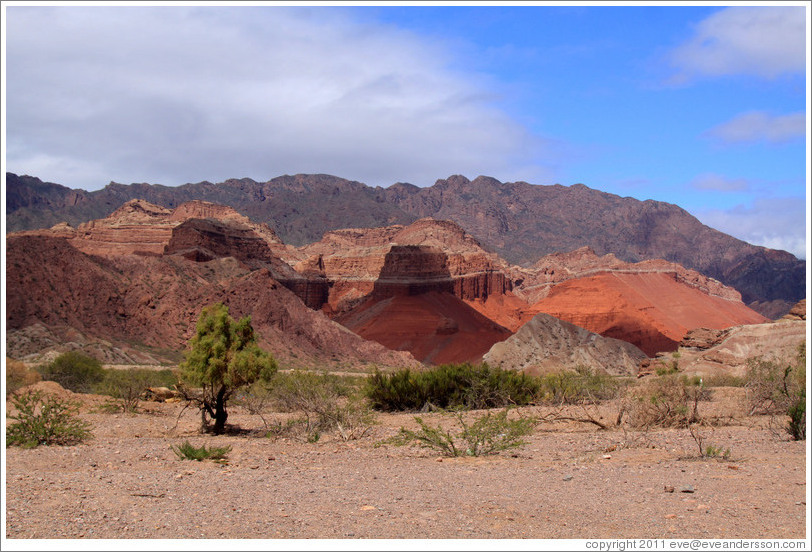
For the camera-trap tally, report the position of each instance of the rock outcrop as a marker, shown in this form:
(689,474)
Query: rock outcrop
(519,221)
(547,344)
(428,255)
(708,353)
(797,312)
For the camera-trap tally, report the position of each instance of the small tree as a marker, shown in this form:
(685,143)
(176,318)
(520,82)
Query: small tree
(223,357)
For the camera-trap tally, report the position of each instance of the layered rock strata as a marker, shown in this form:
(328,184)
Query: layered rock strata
(150,304)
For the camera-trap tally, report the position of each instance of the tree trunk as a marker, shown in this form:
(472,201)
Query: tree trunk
(220,414)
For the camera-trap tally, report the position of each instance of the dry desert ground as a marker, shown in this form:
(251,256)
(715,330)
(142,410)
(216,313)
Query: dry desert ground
(570,481)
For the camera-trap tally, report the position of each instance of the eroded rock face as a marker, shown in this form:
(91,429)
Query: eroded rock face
(547,344)
(536,282)
(428,287)
(428,255)
(729,351)
(155,301)
(520,221)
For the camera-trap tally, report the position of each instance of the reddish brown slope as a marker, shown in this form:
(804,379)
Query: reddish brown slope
(436,327)
(650,310)
(153,301)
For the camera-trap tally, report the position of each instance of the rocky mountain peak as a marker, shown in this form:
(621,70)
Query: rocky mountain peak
(138,211)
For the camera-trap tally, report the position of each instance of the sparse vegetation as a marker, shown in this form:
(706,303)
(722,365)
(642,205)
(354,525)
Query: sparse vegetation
(706,451)
(488,434)
(664,401)
(186,451)
(773,388)
(45,420)
(327,403)
(125,387)
(223,357)
(451,386)
(582,385)
(19,376)
(75,371)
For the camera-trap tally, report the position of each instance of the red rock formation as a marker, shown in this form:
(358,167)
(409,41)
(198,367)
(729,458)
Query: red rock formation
(385,275)
(154,302)
(435,327)
(652,310)
(426,255)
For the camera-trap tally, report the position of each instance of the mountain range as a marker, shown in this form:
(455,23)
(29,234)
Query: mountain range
(520,222)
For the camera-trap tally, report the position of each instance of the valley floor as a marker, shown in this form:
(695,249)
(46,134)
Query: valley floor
(571,481)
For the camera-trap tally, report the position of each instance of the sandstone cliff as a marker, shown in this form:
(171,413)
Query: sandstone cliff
(428,255)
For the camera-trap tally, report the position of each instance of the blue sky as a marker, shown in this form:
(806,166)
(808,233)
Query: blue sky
(702,106)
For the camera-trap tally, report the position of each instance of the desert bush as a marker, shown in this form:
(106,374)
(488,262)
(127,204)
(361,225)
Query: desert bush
(582,385)
(18,375)
(796,427)
(451,386)
(75,371)
(45,420)
(488,434)
(664,401)
(706,451)
(776,388)
(125,387)
(328,403)
(186,451)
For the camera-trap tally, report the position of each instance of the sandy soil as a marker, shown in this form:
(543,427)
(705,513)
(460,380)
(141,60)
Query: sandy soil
(571,480)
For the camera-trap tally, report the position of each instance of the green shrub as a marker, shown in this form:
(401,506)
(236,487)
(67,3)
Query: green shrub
(187,451)
(582,385)
(451,386)
(126,386)
(75,371)
(18,376)
(45,420)
(488,434)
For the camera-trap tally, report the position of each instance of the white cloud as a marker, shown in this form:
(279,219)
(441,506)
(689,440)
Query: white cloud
(777,223)
(719,183)
(173,95)
(758,126)
(762,41)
